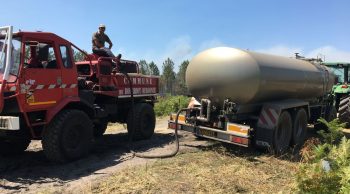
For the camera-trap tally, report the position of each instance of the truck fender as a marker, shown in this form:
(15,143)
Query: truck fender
(70,102)
(268,119)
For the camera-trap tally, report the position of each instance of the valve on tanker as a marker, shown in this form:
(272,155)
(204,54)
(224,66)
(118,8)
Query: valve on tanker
(229,107)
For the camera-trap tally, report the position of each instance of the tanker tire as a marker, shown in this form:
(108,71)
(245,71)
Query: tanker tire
(344,110)
(299,128)
(100,128)
(283,133)
(142,125)
(10,147)
(68,136)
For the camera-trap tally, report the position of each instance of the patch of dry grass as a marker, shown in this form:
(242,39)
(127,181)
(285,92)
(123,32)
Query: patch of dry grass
(118,127)
(115,127)
(204,172)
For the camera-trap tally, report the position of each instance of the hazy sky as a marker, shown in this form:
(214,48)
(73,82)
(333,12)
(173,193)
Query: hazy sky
(155,29)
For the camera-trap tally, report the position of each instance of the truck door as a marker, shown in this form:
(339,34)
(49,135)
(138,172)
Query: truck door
(69,72)
(42,79)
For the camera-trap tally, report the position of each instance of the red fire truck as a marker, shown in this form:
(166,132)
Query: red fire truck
(49,95)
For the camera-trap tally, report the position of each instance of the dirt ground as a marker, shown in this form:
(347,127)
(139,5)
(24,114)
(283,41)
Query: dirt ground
(33,173)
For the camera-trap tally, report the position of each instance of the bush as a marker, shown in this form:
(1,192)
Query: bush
(327,169)
(334,131)
(170,104)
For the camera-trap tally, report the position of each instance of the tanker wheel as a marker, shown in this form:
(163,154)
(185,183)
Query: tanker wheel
(100,127)
(283,133)
(68,136)
(344,109)
(141,122)
(13,146)
(299,128)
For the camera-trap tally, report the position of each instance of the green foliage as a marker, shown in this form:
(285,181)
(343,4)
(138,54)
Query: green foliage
(144,68)
(153,69)
(180,78)
(314,177)
(168,76)
(78,55)
(170,104)
(334,131)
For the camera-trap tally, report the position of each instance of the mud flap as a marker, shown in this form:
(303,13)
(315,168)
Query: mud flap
(263,138)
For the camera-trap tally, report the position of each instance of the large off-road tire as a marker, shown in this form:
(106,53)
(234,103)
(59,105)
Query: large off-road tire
(344,109)
(13,146)
(283,133)
(100,128)
(141,121)
(69,136)
(300,121)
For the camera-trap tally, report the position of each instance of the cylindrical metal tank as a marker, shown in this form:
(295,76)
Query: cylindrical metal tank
(247,77)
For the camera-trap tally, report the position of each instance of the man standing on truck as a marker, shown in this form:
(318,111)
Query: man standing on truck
(98,42)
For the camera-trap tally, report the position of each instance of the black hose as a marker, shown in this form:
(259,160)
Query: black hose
(177,144)
(130,144)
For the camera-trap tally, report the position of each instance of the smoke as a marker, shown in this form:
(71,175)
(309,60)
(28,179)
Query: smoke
(330,53)
(178,50)
(211,44)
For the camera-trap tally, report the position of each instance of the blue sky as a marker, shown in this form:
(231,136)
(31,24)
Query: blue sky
(155,29)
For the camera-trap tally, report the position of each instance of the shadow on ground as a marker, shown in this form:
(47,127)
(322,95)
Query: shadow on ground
(33,168)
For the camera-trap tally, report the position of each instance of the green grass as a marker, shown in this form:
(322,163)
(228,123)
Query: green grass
(170,104)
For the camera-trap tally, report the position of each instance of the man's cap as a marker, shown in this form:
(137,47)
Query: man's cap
(102,26)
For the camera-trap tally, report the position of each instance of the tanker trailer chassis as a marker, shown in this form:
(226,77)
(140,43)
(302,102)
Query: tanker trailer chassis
(250,98)
(275,126)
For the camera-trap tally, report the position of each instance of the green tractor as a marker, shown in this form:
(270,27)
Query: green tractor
(341,89)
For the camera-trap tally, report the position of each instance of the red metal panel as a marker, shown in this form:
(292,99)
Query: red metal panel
(34,98)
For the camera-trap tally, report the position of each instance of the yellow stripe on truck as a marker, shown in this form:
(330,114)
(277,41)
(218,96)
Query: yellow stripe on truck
(238,129)
(180,119)
(42,103)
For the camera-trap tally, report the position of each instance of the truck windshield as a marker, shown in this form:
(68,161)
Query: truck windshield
(339,72)
(15,58)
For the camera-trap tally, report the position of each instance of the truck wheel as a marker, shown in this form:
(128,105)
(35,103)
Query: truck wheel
(68,136)
(283,133)
(299,127)
(100,128)
(141,122)
(13,146)
(344,109)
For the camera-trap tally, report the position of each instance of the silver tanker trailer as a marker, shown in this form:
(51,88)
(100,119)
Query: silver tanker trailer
(248,98)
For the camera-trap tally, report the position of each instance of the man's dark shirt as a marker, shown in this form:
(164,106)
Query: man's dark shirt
(101,38)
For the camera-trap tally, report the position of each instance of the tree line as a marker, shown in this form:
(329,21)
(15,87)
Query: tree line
(170,82)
